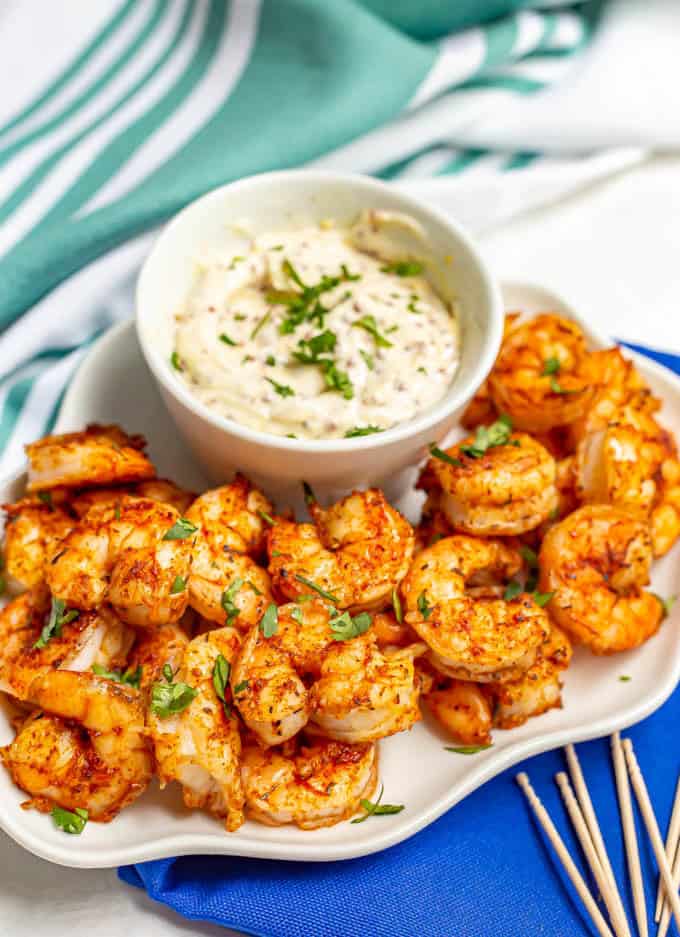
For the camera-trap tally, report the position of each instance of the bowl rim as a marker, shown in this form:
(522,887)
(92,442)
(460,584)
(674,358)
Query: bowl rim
(400,432)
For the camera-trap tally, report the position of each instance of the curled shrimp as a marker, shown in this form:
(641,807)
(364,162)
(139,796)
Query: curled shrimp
(350,689)
(157,489)
(310,784)
(538,690)
(472,637)
(356,551)
(32,531)
(87,749)
(101,455)
(365,693)
(200,746)
(96,638)
(226,582)
(135,555)
(596,563)
(664,520)
(461,708)
(506,490)
(538,378)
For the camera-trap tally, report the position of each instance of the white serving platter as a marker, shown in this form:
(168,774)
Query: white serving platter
(113,385)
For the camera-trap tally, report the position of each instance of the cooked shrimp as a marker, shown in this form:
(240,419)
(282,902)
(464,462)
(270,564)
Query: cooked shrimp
(389,632)
(153,649)
(481,408)
(96,638)
(88,749)
(101,455)
(135,555)
(357,551)
(226,582)
(309,784)
(472,637)
(596,562)
(157,489)
(461,708)
(363,693)
(665,517)
(32,530)
(505,490)
(538,690)
(616,383)
(537,379)
(200,746)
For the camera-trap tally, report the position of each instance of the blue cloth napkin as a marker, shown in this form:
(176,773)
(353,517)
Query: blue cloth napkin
(483,868)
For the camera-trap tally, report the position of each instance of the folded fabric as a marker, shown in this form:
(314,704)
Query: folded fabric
(482,868)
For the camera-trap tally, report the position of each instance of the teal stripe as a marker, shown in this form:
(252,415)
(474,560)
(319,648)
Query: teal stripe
(460,162)
(24,190)
(500,41)
(146,30)
(52,418)
(520,160)
(14,404)
(111,27)
(506,82)
(393,170)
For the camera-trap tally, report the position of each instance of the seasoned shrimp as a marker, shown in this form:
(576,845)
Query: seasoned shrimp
(350,689)
(505,490)
(87,749)
(389,632)
(461,708)
(135,555)
(225,579)
(32,531)
(472,637)
(538,690)
(356,551)
(309,784)
(538,378)
(665,517)
(101,455)
(596,562)
(96,638)
(363,693)
(157,489)
(200,746)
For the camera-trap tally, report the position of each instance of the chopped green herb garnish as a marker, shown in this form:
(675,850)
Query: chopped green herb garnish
(313,585)
(421,370)
(412,308)
(309,349)
(345,627)
(377,809)
(227,600)
(296,614)
(70,821)
(239,317)
(487,437)
(438,453)
(170,697)
(304,306)
(116,511)
(179,585)
(57,618)
(251,585)
(467,749)
(362,431)
(220,675)
(512,590)
(269,623)
(283,390)
(46,498)
(240,687)
(346,275)
(368,359)
(180,530)
(557,388)
(529,556)
(129,677)
(423,607)
(337,380)
(270,360)
(542,598)
(624,678)
(403,268)
(666,604)
(369,325)
(310,497)
(176,361)
(227,341)
(267,518)
(263,321)
(396,605)
(550,366)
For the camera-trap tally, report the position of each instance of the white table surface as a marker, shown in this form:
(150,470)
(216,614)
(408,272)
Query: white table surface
(615,252)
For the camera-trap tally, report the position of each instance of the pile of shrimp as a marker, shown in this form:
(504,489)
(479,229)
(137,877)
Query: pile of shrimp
(256,661)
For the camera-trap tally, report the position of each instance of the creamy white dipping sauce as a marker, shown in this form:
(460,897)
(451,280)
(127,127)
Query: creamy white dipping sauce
(356,353)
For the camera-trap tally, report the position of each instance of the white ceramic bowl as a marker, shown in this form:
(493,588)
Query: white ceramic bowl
(289,200)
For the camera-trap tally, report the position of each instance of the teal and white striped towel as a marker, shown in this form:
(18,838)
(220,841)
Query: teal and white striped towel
(122,111)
